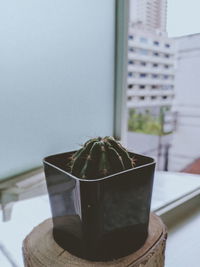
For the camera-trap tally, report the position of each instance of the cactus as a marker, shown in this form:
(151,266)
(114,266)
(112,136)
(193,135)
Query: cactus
(100,157)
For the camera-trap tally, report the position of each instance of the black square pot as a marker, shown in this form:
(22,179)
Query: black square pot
(101,219)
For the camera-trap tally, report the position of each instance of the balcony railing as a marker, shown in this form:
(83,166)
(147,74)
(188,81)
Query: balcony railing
(149,81)
(150,58)
(152,47)
(146,69)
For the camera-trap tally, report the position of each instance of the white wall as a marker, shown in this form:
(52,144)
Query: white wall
(186,145)
(56,77)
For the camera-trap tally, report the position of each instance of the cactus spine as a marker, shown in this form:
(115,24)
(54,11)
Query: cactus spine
(100,157)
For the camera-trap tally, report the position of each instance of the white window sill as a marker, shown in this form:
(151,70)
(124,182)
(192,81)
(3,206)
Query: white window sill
(170,191)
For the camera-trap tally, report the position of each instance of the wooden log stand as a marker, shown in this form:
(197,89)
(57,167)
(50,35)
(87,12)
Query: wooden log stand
(40,249)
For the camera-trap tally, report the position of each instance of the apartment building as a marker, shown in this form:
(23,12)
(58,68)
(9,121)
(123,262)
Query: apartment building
(151,77)
(151,60)
(149,14)
(151,56)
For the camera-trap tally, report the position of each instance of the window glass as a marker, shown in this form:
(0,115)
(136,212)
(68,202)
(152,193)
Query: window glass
(131,49)
(143,63)
(155,76)
(156,54)
(43,49)
(156,43)
(130,74)
(143,40)
(143,52)
(131,62)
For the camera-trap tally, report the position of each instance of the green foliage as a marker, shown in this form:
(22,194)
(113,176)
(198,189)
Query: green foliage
(100,157)
(144,123)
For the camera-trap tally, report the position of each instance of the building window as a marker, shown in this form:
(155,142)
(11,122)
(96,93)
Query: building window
(142,97)
(154,87)
(164,97)
(131,49)
(143,40)
(154,76)
(129,97)
(155,65)
(166,87)
(143,52)
(156,43)
(143,63)
(166,66)
(143,75)
(156,54)
(166,55)
(165,77)
(130,74)
(130,37)
(153,97)
(142,86)
(167,45)
(130,86)
(131,62)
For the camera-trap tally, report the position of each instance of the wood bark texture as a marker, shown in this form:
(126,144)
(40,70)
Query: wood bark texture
(40,249)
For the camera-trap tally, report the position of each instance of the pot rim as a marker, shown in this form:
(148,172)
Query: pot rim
(102,178)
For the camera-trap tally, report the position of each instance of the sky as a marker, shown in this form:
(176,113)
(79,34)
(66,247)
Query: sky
(183,17)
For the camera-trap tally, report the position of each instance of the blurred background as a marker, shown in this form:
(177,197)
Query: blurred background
(71,70)
(163,83)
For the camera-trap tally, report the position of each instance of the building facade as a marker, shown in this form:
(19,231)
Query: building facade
(149,14)
(185,145)
(151,80)
(151,56)
(151,69)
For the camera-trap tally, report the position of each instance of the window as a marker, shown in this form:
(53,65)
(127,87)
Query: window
(143,63)
(143,75)
(29,154)
(155,76)
(130,37)
(143,52)
(166,87)
(129,97)
(143,40)
(131,49)
(131,62)
(130,86)
(151,94)
(156,43)
(130,74)
(156,54)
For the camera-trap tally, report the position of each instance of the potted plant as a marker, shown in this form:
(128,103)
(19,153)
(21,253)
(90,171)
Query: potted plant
(100,199)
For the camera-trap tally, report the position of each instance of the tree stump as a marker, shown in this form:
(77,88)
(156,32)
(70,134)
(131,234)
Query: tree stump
(40,249)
